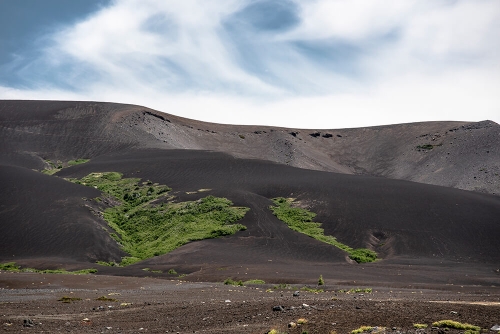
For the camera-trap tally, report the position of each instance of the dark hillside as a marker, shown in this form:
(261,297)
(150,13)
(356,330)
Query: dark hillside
(462,155)
(356,180)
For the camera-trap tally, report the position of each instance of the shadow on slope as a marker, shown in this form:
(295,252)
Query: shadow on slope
(44,216)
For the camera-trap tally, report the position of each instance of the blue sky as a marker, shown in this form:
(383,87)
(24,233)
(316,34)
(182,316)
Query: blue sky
(305,64)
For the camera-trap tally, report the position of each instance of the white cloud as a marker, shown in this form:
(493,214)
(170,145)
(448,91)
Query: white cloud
(415,61)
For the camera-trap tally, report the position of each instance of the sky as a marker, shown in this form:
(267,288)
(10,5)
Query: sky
(301,64)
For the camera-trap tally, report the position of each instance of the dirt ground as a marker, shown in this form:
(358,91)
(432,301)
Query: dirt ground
(138,305)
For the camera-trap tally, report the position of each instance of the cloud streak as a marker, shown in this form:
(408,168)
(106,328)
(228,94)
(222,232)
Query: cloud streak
(315,64)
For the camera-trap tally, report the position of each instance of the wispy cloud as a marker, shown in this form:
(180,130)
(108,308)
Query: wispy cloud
(318,64)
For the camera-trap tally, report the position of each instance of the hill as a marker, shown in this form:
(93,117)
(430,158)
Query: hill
(355,180)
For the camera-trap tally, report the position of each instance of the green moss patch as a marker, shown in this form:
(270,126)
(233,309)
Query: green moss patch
(66,299)
(12,267)
(457,325)
(147,224)
(301,220)
(77,162)
(56,166)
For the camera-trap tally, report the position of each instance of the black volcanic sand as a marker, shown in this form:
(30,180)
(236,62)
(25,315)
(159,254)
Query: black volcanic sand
(164,306)
(424,234)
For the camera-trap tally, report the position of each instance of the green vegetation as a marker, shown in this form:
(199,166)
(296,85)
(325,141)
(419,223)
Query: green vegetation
(419,326)
(457,325)
(362,329)
(55,167)
(321,281)
(283,286)
(77,162)
(66,299)
(172,272)
(230,281)
(108,264)
(11,266)
(152,271)
(301,220)
(305,288)
(106,299)
(357,290)
(254,281)
(426,147)
(147,224)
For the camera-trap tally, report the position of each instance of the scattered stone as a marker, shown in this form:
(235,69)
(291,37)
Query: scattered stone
(108,328)
(28,323)
(495,328)
(305,305)
(454,312)
(296,294)
(278,308)
(227,301)
(86,319)
(358,308)
(292,325)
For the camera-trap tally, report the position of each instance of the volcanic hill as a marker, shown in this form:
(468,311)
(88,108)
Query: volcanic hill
(423,196)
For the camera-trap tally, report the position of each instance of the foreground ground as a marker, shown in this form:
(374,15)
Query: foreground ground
(151,305)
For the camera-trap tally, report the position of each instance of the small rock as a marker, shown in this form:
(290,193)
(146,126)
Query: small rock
(495,328)
(278,308)
(227,301)
(292,325)
(296,294)
(86,319)
(28,323)
(454,312)
(305,305)
(358,308)
(109,328)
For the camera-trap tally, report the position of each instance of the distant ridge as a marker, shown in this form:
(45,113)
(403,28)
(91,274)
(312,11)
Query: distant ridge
(462,155)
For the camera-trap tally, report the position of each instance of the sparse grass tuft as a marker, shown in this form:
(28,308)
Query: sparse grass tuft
(456,325)
(66,299)
(320,280)
(419,326)
(77,162)
(301,220)
(305,288)
(108,264)
(172,272)
(230,281)
(9,266)
(425,147)
(106,299)
(357,290)
(362,329)
(254,281)
(301,321)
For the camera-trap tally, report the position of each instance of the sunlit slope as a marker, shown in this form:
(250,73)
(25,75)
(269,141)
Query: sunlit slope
(463,155)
